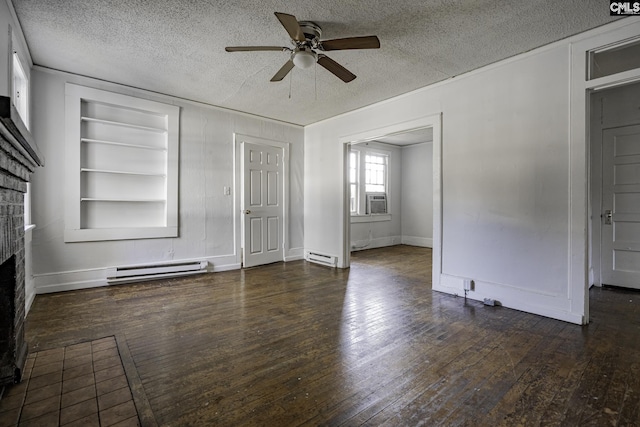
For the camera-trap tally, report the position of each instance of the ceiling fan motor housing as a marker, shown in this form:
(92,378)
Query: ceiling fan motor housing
(311,30)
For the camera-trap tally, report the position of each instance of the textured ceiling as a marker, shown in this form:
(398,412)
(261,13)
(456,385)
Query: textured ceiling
(176,47)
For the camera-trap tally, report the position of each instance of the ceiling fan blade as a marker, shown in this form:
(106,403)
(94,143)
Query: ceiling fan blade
(282,72)
(254,48)
(335,68)
(366,42)
(290,23)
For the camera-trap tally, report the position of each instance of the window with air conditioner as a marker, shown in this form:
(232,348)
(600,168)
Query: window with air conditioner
(368,181)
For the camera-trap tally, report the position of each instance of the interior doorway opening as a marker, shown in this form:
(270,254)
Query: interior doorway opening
(413,163)
(391,190)
(614,244)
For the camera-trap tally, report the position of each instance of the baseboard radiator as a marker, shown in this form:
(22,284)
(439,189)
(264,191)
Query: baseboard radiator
(138,273)
(318,258)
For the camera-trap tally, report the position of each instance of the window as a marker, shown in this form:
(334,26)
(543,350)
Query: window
(122,166)
(375,177)
(353,180)
(20,99)
(20,89)
(367,180)
(613,60)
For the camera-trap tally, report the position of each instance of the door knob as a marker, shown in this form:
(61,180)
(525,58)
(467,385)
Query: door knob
(247,212)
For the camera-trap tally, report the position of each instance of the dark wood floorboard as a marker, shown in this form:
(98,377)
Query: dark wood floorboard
(292,344)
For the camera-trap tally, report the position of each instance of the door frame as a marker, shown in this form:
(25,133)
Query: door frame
(431,121)
(596,173)
(580,154)
(238,223)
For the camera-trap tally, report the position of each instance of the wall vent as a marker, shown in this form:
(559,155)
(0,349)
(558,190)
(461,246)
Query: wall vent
(318,258)
(138,273)
(376,203)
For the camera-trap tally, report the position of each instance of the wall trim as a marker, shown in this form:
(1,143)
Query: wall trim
(97,277)
(379,242)
(579,200)
(294,254)
(514,298)
(29,298)
(425,242)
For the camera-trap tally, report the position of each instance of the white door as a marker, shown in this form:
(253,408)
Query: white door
(621,206)
(262,173)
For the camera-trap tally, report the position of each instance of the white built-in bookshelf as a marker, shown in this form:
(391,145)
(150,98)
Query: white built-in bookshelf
(122,157)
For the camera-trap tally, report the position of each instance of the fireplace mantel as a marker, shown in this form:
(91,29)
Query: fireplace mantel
(15,132)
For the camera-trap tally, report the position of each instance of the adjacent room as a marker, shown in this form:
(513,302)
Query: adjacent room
(262,213)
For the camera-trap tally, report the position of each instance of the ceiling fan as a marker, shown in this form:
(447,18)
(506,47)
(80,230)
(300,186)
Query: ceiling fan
(308,48)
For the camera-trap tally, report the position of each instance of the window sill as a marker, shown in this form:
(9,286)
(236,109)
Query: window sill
(370,218)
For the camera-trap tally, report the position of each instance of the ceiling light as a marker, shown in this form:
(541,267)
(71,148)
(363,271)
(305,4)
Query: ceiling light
(304,58)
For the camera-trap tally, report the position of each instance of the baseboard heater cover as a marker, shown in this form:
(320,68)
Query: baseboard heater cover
(318,258)
(138,273)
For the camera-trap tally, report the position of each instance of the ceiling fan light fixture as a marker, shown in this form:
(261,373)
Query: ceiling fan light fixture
(304,58)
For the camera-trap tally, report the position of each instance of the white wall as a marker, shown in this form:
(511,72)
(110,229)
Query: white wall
(206,216)
(417,195)
(505,191)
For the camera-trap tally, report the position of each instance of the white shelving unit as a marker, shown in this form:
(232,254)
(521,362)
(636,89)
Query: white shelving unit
(123,162)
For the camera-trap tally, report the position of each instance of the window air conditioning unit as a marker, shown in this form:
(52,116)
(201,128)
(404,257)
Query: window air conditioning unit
(376,203)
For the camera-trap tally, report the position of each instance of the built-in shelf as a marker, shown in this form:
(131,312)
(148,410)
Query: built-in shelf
(93,199)
(122,124)
(161,175)
(122,170)
(122,144)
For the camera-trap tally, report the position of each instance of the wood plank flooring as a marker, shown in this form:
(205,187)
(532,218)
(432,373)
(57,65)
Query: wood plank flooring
(301,344)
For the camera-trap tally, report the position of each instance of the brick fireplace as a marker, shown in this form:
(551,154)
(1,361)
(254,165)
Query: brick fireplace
(18,159)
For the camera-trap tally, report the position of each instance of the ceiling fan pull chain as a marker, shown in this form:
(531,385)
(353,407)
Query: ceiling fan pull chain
(315,79)
(290,74)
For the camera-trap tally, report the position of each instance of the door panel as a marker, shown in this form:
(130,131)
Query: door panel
(262,204)
(621,196)
(273,233)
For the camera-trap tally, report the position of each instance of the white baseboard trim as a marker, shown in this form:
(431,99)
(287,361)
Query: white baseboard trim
(547,305)
(425,242)
(226,267)
(29,298)
(379,242)
(93,278)
(294,254)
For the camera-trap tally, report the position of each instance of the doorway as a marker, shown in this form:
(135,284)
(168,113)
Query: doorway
(615,187)
(263,177)
(390,186)
(392,137)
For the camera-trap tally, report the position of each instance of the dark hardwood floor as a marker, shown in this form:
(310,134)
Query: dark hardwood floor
(301,344)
